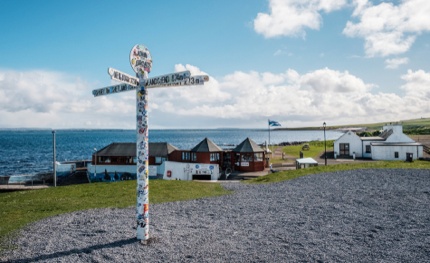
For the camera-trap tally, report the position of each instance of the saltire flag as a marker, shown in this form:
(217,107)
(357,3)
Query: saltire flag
(274,123)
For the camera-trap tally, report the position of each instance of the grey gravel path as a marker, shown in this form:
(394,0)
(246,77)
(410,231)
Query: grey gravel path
(348,216)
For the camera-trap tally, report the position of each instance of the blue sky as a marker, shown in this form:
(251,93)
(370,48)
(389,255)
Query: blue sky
(298,62)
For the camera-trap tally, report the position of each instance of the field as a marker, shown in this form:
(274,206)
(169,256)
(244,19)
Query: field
(424,139)
(414,126)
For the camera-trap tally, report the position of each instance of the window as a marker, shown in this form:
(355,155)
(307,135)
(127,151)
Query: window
(185,156)
(159,160)
(258,157)
(193,157)
(396,154)
(368,149)
(214,157)
(247,157)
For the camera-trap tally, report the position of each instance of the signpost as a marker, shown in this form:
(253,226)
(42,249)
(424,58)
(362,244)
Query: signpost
(113,89)
(173,79)
(123,77)
(141,62)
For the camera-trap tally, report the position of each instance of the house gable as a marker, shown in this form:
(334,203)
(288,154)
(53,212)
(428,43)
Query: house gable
(354,142)
(396,134)
(206,146)
(248,146)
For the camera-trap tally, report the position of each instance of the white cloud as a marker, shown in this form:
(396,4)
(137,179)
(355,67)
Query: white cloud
(389,29)
(418,86)
(326,80)
(292,17)
(197,94)
(395,62)
(303,99)
(44,99)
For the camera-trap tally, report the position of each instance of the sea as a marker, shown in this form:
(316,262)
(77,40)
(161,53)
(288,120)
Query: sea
(28,152)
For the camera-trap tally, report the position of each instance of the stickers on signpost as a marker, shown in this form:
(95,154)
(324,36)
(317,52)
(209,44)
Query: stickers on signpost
(140,59)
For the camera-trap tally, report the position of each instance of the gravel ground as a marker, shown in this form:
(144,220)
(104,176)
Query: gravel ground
(347,216)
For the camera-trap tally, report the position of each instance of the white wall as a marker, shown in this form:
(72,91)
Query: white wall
(185,171)
(387,152)
(111,169)
(179,171)
(366,155)
(153,169)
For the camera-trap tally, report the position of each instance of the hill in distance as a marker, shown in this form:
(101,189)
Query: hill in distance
(412,126)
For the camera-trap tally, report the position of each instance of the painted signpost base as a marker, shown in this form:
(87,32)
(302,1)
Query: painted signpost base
(142,213)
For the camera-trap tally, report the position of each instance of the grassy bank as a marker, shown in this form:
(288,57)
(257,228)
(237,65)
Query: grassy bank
(20,208)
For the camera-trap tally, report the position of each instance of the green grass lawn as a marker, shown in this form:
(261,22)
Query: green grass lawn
(20,208)
(316,149)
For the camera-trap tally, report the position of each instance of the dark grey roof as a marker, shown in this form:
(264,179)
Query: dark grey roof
(248,146)
(373,138)
(206,146)
(382,137)
(385,134)
(159,149)
(396,144)
(118,149)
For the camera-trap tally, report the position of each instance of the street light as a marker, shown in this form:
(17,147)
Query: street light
(325,146)
(95,162)
(54,173)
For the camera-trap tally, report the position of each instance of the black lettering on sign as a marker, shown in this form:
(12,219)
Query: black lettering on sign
(142,54)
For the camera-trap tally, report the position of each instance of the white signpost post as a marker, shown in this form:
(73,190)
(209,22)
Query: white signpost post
(141,62)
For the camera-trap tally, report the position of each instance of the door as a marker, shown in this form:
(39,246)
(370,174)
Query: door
(344,149)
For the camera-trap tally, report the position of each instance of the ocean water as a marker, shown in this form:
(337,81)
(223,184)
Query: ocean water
(28,152)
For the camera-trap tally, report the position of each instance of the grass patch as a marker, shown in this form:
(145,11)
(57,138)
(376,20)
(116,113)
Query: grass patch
(292,152)
(316,149)
(21,208)
(291,174)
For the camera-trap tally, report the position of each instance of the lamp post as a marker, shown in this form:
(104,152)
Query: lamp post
(95,162)
(54,173)
(325,146)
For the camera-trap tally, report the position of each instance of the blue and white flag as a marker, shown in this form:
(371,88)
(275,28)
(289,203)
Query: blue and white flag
(274,123)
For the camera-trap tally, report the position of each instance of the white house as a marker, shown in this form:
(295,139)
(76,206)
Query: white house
(392,144)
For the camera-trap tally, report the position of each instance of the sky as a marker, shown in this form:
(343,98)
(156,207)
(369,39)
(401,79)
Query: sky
(300,63)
